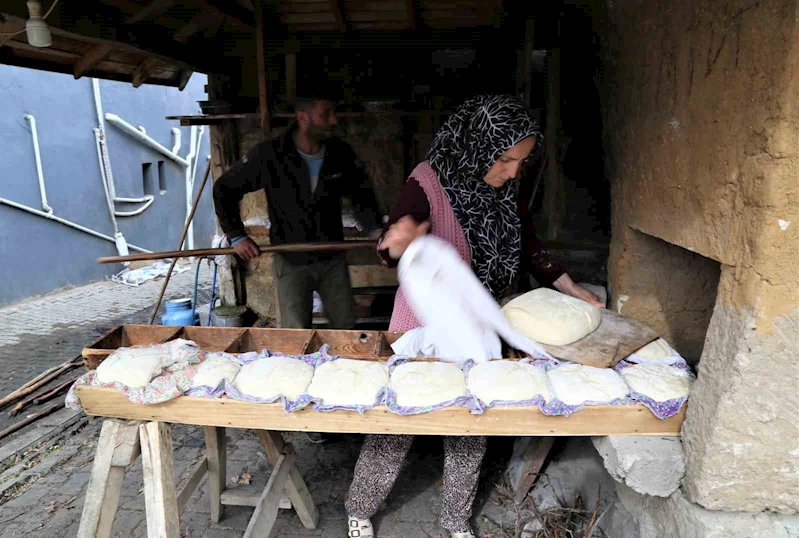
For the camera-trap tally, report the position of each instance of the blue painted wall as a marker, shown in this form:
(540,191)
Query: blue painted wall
(39,255)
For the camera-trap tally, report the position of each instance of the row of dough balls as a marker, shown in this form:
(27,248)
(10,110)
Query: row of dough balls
(348,382)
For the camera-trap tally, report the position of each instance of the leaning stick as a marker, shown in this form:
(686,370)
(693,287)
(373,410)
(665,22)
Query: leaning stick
(47,396)
(180,243)
(39,381)
(33,418)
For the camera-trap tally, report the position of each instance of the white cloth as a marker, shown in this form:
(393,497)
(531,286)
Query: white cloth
(460,318)
(224,260)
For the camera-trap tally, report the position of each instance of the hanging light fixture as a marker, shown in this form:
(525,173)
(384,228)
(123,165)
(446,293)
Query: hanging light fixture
(36,28)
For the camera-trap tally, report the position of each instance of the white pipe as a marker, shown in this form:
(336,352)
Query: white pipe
(197,159)
(135,212)
(98,106)
(108,200)
(67,223)
(145,198)
(38,156)
(190,185)
(176,140)
(138,135)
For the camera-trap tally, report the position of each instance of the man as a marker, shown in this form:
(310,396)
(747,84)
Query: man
(305,173)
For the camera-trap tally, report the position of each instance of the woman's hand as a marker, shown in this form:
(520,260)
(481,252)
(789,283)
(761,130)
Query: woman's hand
(401,234)
(566,285)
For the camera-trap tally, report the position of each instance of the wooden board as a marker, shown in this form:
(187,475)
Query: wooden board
(616,337)
(514,421)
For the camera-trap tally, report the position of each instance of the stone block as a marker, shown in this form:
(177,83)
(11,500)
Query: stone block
(677,517)
(648,465)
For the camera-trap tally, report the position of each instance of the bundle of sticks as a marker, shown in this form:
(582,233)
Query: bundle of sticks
(27,394)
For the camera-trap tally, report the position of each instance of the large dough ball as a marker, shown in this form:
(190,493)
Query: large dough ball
(215,368)
(659,349)
(348,382)
(552,318)
(423,384)
(575,384)
(658,381)
(134,366)
(505,380)
(271,377)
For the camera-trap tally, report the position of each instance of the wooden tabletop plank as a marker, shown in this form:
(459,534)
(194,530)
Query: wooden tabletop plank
(511,421)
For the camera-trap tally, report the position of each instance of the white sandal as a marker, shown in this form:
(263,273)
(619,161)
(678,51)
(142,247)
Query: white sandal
(361,528)
(467,534)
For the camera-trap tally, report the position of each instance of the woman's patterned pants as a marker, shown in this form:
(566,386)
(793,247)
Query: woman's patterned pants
(380,462)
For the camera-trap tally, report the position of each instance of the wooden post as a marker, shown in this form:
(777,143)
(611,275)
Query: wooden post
(260,56)
(291,77)
(117,447)
(160,497)
(265,513)
(527,62)
(297,491)
(215,445)
(529,454)
(553,192)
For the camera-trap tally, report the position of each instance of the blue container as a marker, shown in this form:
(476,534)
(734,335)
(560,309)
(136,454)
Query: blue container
(179,312)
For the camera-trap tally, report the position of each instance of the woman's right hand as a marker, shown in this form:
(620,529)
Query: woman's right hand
(401,234)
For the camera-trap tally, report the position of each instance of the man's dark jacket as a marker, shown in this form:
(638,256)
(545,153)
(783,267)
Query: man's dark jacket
(296,214)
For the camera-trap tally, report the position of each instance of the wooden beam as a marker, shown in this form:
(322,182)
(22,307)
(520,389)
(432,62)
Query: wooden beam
(98,23)
(97,54)
(197,475)
(183,78)
(291,77)
(413,15)
(553,191)
(503,421)
(260,55)
(232,10)
(144,70)
(200,21)
(337,7)
(150,11)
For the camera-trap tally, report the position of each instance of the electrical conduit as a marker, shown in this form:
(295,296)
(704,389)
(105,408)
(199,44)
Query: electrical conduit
(39,172)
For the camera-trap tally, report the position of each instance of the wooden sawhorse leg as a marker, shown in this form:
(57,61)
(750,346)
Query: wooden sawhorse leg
(117,447)
(160,497)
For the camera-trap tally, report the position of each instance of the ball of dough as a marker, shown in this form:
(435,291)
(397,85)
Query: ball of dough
(658,381)
(134,366)
(348,382)
(575,384)
(215,368)
(423,384)
(552,318)
(271,377)
(658,349)
(505,380)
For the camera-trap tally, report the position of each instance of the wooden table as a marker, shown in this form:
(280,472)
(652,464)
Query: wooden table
(132,429)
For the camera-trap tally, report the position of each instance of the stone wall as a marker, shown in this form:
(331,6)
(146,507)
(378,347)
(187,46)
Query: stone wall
(702,131)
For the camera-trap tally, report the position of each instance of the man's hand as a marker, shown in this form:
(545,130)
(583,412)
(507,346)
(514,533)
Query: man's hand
(246,249)
(566,285)
(401,234)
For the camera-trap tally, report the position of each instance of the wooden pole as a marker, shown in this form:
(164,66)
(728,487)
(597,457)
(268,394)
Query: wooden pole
(553,195)
(260,56)
(180,243)
(342,246)
(33,418)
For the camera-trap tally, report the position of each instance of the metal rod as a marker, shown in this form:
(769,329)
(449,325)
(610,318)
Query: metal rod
(290,247)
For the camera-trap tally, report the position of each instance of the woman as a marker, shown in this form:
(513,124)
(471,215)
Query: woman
(464,194)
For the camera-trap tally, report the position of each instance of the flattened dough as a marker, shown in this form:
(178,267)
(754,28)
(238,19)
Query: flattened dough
(215,368)
(137,366)
(659,349)
(270,377)
(422,384)
(552,318)
(348,382)
(508,381)
(658,381)
(575,384)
